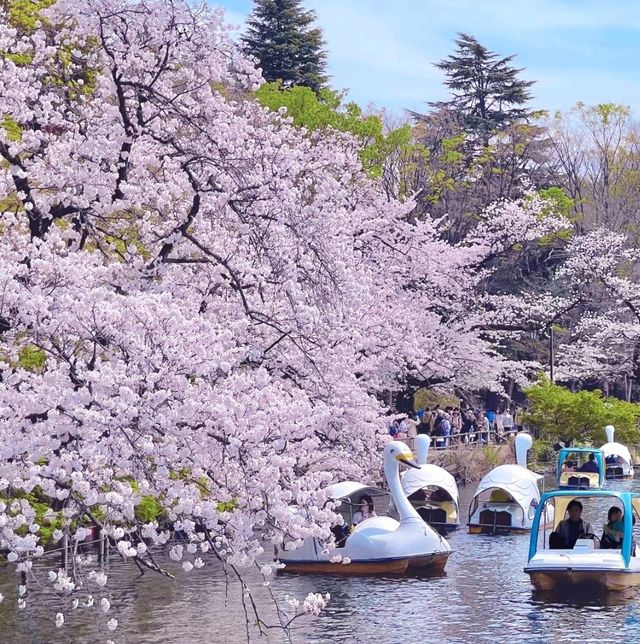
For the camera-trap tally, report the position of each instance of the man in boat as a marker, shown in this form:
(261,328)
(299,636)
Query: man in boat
(590,465)
(568,530)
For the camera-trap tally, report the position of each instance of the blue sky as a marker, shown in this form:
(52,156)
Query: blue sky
(382,50)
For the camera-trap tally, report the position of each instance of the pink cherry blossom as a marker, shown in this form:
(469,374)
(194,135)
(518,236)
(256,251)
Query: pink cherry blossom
(200,305)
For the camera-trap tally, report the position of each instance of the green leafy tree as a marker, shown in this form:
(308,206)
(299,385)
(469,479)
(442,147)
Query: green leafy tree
(487,93)
(24,15)
(558,414)
(327,110)
(484,144)
(280,36)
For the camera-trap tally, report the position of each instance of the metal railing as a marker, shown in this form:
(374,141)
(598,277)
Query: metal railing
(466,439)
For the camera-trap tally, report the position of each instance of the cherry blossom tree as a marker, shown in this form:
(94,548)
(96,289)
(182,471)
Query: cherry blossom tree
(199,303)
(604,344)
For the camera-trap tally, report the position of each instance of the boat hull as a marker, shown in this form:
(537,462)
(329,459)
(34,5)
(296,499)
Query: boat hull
(490,528)
(428,564)
(356,568)
(496,529)
(445,528)
(614,580)
(422,564)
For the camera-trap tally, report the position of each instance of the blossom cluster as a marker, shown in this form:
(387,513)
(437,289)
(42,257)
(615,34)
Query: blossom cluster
(200,304)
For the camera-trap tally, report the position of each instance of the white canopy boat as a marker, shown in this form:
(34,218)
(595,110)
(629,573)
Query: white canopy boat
(506,498)
(617,458)
(432,491)
(379,545)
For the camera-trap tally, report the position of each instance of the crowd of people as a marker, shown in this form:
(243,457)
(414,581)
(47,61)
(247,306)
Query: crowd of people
(453,426)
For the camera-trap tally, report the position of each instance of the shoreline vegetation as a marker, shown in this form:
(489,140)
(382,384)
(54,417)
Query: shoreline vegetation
(468,464)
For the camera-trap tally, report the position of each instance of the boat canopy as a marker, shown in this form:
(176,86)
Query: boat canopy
(617,449)
(518,481)
(346,489)
(565,452)
(430,475)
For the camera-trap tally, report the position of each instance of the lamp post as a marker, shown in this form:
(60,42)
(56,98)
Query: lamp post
(551,353)
(547,333)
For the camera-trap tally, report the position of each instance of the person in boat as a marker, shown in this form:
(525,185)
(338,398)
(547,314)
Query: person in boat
(590,465)
(569,530)
(366,510)
(613,529)
(340,534)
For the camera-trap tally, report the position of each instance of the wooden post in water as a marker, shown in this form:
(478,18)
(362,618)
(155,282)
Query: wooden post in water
(100,533)
(65,550)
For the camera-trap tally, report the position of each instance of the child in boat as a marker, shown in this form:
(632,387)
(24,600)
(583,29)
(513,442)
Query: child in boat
(613,529)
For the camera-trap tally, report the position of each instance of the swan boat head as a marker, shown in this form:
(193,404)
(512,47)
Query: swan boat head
(423,442)
(396,452)
(609,430)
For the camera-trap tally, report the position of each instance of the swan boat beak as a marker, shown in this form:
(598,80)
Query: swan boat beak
(407,459)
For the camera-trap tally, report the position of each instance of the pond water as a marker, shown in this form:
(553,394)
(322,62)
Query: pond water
(484,596)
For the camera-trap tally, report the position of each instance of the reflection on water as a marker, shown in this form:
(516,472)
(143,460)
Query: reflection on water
(483,597)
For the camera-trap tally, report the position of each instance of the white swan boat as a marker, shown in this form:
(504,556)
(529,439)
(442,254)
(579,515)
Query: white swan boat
(432,490)
(378,545)
(506,498)
(618,463)
(586,566)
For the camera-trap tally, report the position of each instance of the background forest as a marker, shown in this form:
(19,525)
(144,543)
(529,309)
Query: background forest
(482,147)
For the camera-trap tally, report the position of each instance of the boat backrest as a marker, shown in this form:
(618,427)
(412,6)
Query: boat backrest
(495,518)
(582,480)
(433,515)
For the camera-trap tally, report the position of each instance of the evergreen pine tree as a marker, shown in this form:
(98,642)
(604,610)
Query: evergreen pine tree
(487,93)
(280,36)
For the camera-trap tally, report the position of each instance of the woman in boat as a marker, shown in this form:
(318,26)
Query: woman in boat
(366,510)
(613,529)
